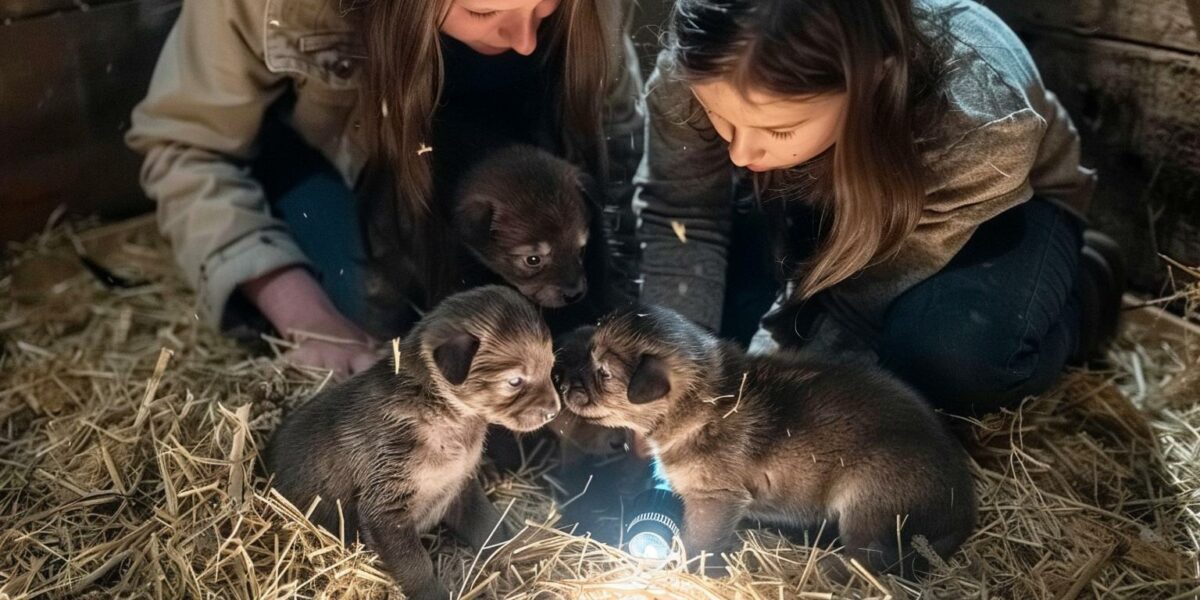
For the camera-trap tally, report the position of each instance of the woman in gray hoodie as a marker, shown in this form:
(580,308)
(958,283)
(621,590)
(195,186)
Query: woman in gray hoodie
(921,188)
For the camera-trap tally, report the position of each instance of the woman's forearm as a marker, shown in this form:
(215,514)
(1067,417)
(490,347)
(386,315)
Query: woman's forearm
(292,300)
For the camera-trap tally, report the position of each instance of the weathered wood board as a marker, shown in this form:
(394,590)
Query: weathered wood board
(1159,23)
(23,9)
(1129,73)
(68,81)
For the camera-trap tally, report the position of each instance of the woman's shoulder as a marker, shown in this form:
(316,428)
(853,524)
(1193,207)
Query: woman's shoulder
(989,79)
(314,39)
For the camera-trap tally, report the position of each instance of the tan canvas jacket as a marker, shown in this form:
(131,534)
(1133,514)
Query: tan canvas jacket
(1003,138)
(223,64)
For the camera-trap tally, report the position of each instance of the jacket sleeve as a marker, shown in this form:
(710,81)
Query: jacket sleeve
(683,202)
(197,128)
(623,122)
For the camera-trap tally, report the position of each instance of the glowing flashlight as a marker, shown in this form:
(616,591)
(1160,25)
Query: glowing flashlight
(655,524)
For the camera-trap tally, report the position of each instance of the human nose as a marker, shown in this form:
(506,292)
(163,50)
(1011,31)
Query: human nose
(520,32)
(742,149)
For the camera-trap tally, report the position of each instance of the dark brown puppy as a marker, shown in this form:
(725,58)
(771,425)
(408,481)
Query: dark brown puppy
(531,219)
(398,445)
(786,439)
(524,214)
(578,436)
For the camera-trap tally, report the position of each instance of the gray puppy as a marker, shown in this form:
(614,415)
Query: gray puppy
(786,439)
(398,445)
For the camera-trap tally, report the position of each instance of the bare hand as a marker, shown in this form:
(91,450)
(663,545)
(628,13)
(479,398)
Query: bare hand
(343,359)
(297,306)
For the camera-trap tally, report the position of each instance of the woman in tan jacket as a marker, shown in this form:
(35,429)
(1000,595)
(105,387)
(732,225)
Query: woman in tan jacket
(270,126)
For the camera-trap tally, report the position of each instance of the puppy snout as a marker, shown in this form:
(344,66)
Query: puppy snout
(617,440)
(574,293)
(551,407)
(574,394)
(549,297)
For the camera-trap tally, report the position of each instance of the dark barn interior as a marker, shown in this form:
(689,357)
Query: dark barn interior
(1125,69)
(130,432)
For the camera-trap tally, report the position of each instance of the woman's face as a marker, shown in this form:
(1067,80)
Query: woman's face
(497,26)
(768,132)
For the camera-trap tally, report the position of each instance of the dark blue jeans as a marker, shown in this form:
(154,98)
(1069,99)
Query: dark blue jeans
(307,192)
(997,324)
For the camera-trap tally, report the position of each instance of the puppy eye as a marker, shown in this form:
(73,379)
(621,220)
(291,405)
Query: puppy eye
(516,382)
(533,261)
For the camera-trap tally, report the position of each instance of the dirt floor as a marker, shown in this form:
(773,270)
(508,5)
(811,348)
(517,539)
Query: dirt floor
(129,436)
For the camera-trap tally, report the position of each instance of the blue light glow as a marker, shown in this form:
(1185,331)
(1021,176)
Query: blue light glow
(650,545)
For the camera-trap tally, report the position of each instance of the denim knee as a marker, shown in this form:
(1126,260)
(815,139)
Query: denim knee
(961,359)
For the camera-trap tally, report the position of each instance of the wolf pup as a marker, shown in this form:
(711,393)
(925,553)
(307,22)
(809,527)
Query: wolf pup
(532,219)
(786,439)
(398,445)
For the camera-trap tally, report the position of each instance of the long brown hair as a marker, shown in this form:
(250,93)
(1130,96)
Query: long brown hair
(873,181)
(404,75)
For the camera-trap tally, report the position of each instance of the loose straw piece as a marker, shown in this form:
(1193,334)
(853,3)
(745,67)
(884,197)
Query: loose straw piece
(680,231)
(99,507)
(237,469)
(164,356)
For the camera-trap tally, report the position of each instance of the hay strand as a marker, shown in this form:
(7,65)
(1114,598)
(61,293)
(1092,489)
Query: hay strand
(129,467)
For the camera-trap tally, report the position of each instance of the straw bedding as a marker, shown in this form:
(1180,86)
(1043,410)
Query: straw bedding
(129,436)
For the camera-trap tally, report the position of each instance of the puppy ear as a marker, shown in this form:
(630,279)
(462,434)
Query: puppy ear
(474,217)
(649,381)
(453,357)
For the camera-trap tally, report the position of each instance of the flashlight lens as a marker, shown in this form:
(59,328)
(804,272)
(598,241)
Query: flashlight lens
(648,544)
(654,526)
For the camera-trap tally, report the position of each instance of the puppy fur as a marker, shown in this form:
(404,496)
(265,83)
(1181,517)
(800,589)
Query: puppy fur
(532,219)
(398,445)
(527,216)
(786,439)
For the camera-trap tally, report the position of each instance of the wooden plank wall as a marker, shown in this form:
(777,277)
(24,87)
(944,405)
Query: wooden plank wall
(25,9)
(1129,73)
(68,81)
(1128,70)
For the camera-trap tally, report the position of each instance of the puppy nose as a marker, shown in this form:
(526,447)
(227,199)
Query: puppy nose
(576,396)
(576,293)
(617,443)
